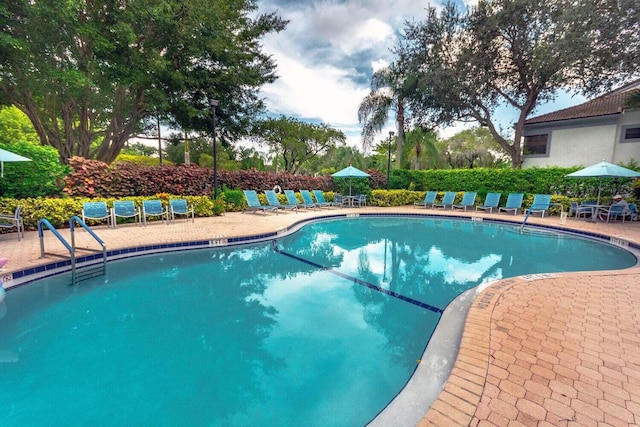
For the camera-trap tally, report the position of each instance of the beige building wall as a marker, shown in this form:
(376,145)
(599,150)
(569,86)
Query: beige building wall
(586,145)
(581,146)
(627,150)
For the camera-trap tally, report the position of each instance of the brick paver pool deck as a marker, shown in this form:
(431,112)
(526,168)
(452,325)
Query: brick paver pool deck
(540,350)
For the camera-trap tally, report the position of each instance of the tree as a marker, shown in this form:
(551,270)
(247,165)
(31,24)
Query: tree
(472,148)
(15,126)
(516,53)
(633,99)
(91,72)
(386,94)
(140,149)
(250,158)
(421,151)
(339,157)
(296,142)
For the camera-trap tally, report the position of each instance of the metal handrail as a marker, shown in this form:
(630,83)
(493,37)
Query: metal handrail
(43,222)
(532,207)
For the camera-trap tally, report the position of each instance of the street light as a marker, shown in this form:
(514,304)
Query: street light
(391,133)
(214,103)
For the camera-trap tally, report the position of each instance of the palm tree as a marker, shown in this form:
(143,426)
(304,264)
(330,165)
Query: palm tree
(420,145)
(373,113)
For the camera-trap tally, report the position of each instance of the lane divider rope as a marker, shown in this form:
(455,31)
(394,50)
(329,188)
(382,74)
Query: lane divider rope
(359,281)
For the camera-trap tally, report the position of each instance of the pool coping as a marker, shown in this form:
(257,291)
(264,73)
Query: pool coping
(22,277)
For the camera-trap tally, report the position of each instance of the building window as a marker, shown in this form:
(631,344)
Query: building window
(630,133)
(536,145)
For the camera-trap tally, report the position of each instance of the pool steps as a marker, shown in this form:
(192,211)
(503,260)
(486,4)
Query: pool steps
(87,272)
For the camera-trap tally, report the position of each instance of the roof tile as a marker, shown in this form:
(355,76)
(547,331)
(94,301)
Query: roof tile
(604,105)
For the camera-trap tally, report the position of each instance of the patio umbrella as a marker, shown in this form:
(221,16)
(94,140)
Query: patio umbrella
(8,156)
(350,172)
(604,170)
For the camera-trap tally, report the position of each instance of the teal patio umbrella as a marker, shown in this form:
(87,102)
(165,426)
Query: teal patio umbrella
(350,172)
(8,156)
(604,170)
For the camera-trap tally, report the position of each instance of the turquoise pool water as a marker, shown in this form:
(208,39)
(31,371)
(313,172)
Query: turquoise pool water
(323,328)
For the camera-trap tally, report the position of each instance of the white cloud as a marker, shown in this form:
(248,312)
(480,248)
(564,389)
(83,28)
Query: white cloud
(329,51)
(324,92)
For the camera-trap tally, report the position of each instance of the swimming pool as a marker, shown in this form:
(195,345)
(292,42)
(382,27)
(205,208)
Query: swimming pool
(322,328)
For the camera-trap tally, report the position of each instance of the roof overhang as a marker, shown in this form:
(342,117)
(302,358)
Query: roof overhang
(609,119)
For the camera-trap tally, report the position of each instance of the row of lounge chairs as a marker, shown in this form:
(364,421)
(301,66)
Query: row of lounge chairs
(97,211)
(541,202)
(308,202)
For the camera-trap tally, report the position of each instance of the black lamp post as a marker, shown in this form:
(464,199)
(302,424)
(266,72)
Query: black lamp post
(391,133)
(214,103)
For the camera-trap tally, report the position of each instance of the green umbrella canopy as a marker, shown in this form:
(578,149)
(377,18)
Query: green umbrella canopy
(350,172)
(8,156)
(604,170)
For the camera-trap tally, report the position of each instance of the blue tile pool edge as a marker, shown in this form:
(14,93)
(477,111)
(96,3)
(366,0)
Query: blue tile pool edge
(61,266)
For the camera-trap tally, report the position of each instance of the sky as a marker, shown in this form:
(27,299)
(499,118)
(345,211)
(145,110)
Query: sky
(329,51)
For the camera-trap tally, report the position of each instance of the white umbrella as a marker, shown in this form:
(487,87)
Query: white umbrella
(8,156)
(350,172)
(604,170)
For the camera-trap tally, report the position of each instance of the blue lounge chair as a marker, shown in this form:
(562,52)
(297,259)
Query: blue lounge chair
(491,202)
(429,199)
(447,200)
(154,209)
(179,207)
(292,199)
(272,198)
(13,221)
(322,202)
(125,209)
(514,203)
(96,211)
(540,204)
(307,199)
(254,205)
(468,200)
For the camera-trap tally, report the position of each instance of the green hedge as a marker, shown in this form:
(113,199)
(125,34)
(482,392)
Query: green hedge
(550,180)
(409,197)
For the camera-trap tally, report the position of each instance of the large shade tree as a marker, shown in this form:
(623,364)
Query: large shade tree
(87,73)
(518,53)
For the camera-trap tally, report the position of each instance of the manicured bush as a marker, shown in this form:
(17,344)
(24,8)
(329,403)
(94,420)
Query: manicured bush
(42,176)
(91,178)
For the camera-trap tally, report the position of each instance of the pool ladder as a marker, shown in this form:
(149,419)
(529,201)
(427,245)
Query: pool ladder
(526,217)
(87,272)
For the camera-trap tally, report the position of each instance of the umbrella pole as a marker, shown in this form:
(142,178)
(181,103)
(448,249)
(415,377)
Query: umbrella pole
(599,187)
